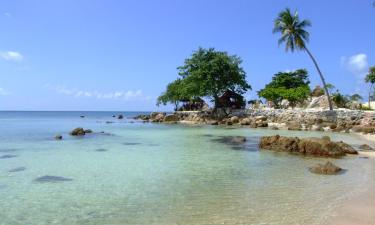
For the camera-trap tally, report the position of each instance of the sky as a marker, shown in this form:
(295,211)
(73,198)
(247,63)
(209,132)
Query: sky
(120,55)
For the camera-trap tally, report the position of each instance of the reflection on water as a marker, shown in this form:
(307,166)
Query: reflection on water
(162,174)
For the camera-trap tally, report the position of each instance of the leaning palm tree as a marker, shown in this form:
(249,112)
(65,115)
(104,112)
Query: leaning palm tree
(295,37)
(370,78)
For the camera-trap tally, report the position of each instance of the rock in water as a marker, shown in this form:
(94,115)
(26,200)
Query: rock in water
(7,156)
(58,137)
(18,169)
(88,131)
(327,169)
(120,117)
(51,179)
(79,131)
(306,146)
(365,147)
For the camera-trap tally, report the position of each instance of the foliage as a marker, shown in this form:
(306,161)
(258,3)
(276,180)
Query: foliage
(339,99)
(330,87)
(292,86)
(355,98)
(295,37)
(208,73)
(370,78)
(174,94)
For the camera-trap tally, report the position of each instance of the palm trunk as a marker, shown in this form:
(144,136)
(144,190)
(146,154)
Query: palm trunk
(321,77)
(369,96)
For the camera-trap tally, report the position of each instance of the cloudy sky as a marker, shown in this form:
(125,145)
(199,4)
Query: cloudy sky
(119,55)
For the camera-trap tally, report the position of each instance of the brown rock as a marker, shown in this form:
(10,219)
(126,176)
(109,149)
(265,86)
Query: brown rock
(79,131)
(328,169)
(365,147)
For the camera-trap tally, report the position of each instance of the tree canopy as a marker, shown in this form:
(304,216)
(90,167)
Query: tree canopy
(207,73)
(292,86)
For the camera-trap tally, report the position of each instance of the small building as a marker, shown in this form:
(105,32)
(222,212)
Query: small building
(231,99)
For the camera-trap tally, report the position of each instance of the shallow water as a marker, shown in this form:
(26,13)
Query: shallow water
(160,174)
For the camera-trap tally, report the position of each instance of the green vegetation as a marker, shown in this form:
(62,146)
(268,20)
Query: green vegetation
(294,35)
(207,73)
(370,78)
(292,86)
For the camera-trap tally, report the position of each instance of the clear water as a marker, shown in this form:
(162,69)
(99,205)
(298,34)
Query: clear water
(161,174)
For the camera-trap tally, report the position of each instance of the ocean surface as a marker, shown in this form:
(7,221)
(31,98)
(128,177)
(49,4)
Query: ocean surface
(145,173)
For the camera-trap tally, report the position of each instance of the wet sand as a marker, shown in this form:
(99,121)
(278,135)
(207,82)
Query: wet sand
(357,210)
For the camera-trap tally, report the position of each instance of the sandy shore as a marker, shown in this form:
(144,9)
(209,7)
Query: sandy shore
(357,210)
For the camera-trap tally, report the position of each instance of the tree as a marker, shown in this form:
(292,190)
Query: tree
(209,73)
(355,98)
(370,78)
(294,35)
(174,94)
(292,86)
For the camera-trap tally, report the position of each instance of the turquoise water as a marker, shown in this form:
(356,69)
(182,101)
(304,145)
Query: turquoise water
(147,173)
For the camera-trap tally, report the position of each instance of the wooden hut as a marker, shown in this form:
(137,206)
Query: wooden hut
(231,99)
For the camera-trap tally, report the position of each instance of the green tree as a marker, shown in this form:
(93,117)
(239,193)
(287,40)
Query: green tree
(294,35)
(292,86)
(370,78)
(355,98)
(175,93)
(209,73)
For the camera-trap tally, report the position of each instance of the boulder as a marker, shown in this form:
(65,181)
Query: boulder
(58,137)
(157,117)
(171,118)
(234,119)
(88,131)
(306,146)
(363,129)
(120,117)
(365,147)
(328,169)
(294,125)
(245,121)
(214,122)
(79,131)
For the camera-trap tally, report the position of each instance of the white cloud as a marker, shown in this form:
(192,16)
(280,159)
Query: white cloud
(125,95)
(11,56)
(4,92)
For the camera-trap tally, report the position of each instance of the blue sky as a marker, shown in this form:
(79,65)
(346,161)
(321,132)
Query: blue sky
(119,55)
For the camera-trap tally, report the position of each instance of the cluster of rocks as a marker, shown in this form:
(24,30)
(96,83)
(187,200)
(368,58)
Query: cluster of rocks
(306,146)
(79,131)
(340,120)
(327,169)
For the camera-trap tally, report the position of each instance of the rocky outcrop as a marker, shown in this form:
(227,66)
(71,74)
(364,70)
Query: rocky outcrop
(171,118)
(79,131)
(327,169)
(306,146)
(157,117)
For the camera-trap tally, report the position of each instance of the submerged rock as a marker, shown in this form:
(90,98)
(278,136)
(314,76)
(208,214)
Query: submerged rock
(18,169)
(328,169)
(306,146)
(88,131)
(365,147)
(231,140)
(101,150)
(51,179)
(131,143)
(58,137)
(7,156)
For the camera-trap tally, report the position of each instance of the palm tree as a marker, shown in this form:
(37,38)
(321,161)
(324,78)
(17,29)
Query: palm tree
(295,37)
(370,78)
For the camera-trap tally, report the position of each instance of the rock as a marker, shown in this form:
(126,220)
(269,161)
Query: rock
(82,116)
(113,116)
(260,118)
(234,119)
(18,169)
(306,146)
(58,137)
(238,140)
(294,125)
(316,127)
(142,117)
(79,131)
(120,117)
(326,138)
(171,118)
(229,123)
(214,123)
(317,91)
(245,121)
(7,156)
(231,140)
(51,179)
(328,169)
(365,147)
(157,117)
(88,131)
(363,129)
